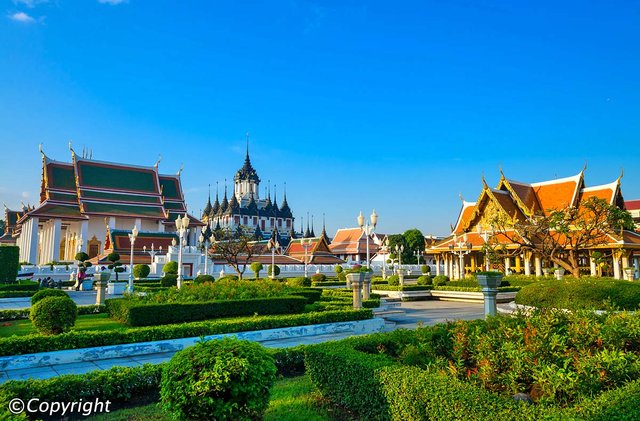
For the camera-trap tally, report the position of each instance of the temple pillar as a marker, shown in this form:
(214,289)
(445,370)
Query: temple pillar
(55,239)
(138,224)
(617,273)
(527,264)
(518,265)
(112,222)
(84,235)
(592,266)
(473,263)
(625,261)
(445,264)
(45,245)
(507,265)
(455,269)
(437,259)
(160,226)
(636,264)
(32,240)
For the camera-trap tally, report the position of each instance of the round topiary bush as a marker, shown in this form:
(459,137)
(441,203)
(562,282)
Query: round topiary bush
(393,280)
(440,280)
(48,293)
(228,278)
(425,280)
(342,277)
(256,267)
(219,379)
(318,277)
(53,315)
(425,269)
(170,267)
(169,280)
(272,269)
(300,281)
(141,271)
(201,279)
(338,269)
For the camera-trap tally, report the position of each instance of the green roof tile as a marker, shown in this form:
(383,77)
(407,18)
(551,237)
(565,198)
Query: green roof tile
(131,198)
(107,177)
(61,177)
(124,209)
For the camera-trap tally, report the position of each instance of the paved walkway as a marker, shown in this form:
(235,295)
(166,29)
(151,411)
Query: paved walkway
(415,313)
(81,298)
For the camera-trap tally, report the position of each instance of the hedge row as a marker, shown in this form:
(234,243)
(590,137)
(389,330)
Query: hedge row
(16,294)
(588,294)
(136,313)
(328,284)
(16,345)
(9,263)
(9,315)
(402,288)
(450,287)
(312,295)
(31,286)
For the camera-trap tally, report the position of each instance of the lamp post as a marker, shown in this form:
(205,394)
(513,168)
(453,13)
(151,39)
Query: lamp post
(399,250)
(274,247)
(368,228)
(182,224)
(153,252)
(384,250)
(132,238)
(306,243)
(460,249)
(418,253)
(206,236)
(485,236)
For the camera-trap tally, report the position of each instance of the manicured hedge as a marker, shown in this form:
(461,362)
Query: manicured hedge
(312,295)
(16,294)
(8,315)
(9,263)
(31,286)
(328,284)
(16,345)
(451,287)
(136,313)
(144,281)
(589,294)
(402,288)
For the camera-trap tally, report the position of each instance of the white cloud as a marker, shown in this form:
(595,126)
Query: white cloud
(25,195)
(112,2)
(30,3)
(21,17)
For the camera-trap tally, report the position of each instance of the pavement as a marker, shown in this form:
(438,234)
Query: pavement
(415,313)
(81,298)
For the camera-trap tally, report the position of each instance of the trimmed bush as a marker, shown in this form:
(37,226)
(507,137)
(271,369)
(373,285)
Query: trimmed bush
(271,269)
(9,263)
(425,280)
(299,282)
(318,277)
(169,280)
(228,278)
(589,294)
(256,267)
(201,279)
(48,293)
(25,286)
(221,379)
(170,267)
(311,294)
(140,313)
(393,280)
(440,280)
(342,277)
(425,269)
(141,271)
(338,269)
(54,315)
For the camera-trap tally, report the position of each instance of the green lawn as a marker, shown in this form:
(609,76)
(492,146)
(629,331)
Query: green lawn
(86,322)
(292,399)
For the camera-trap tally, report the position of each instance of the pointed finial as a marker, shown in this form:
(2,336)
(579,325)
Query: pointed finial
(585,166)
(209,192)
(322,221)
(180,170)
(484,182)
(158,161)
(216,189)
(621,174)
(71,148)
(269,189)
(247,144)
(225,187)
(91,154)
(501,173)
(41,151)
(461,198)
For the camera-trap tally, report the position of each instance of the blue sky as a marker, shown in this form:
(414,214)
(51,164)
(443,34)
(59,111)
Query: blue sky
(395,106)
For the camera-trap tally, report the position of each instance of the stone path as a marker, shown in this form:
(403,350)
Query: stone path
(415,313)
(81,298)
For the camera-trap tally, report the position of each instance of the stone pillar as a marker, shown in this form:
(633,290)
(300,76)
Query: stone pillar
(445,264)
(636,264)
(538,264)
(518,265)
(437,259)
(507,265)
(592,266)
(357,294)
(617,273)
(84,234)
(527,264)
(160,226)
(32,240)
(56,238)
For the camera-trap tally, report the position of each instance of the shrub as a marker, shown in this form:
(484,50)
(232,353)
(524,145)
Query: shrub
(201,279)
(425,280)
(271,269)
(440,280)
(590,294)
(311,294)
(141,271)
(299,282)
(338,269)
(53,315)
(318,277)
(342,277)
(228,278)
(44,293)
(9,263)
(393,280)
(222,379)
(256,267)
(140,313)
(169,280)
(425,269)
(27,286)
(170,267)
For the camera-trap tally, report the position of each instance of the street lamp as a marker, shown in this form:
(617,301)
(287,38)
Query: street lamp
(399,250)
(206,236)
(418,253)
(182,224)
(460,248)
(153,252)
(274,247)
(368,229)
(384,250)
(306,243)
(132,239)
(485,236)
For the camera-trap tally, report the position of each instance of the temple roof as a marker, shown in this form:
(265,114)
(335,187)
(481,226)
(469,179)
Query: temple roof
(352,241)
(317,253)
(247,172)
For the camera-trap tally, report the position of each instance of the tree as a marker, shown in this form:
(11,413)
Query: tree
(256,267)
(115,265)
(559,236)
(83,264)
(413,240)
(2,225)
(141,271)
(170,267)
(235,248)
(272,269)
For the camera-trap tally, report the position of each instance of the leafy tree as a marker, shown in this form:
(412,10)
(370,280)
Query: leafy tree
(272,269)
(256,267)
(235,248)
(83,264)
(141,271)
(115,265)
(560,236)
(413,240)
(170,267)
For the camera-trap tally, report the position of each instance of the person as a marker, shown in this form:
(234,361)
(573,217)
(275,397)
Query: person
(81,276)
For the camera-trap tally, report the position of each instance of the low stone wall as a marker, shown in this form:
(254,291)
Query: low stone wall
(472,297)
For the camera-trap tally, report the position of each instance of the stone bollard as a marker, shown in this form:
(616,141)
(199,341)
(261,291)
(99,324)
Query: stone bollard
(489,282)
(401,276)
(101,285)
(356,280)
(366,287)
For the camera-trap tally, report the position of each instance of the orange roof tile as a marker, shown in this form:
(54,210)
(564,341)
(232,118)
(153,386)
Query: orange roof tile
(557,194)
(465,214)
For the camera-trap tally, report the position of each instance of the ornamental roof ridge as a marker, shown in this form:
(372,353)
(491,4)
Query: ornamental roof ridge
(611,185)
(575,178)
(118,164)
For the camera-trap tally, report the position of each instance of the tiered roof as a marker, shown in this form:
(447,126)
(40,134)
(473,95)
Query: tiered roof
(118,241)
(318,253)
(10,220)
(352,241)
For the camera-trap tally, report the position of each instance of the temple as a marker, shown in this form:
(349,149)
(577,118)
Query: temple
(463,252)
(246,208)
(91,206)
